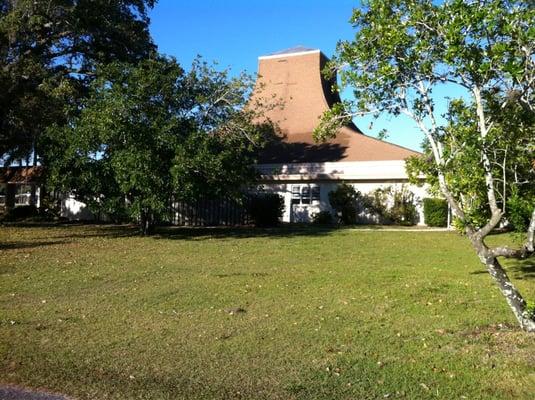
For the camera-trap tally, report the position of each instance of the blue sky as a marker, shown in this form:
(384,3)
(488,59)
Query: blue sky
(235,32)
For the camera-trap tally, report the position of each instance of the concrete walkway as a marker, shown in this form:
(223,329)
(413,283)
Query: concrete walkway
(16,393)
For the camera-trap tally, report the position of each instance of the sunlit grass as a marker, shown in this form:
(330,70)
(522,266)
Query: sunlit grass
(99,313)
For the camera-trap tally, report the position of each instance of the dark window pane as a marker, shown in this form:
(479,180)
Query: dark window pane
(316,193)
(305,194)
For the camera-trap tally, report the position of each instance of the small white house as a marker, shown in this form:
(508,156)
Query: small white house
(20,186)
(303,171)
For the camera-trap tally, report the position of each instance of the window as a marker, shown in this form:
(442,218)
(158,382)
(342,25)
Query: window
(22,195)
(305,194)
(296,194)
(315,193)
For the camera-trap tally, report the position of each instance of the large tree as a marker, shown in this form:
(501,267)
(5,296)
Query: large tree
(49,51)
(152,133)
(482,154)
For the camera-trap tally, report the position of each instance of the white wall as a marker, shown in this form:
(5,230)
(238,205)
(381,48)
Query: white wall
(75,210)
(365,177)
(349,170)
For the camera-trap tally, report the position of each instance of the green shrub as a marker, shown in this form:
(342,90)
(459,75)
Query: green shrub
(391,205)
(375,202)
(344,201)
(20,213)
(435,212)
(403,211)
(322,218)
(266,209)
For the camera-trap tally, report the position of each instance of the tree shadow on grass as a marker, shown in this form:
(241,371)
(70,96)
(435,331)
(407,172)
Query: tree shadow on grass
(86,230)
(522,269)
(102,231)
(479,272)
(518,269)
(30,245)
(209,233)
(82,230)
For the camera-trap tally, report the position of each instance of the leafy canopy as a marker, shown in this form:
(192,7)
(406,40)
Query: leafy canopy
(49,52)
(153,132)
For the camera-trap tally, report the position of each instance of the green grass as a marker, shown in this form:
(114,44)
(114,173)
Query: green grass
(99,313)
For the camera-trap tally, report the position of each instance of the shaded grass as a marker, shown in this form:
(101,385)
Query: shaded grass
(97,312)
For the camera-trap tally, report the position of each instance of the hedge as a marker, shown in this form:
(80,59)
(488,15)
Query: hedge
(435,212)
(266,209)
(322,218)
(20,213)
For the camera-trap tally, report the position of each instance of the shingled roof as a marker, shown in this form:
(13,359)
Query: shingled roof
(293,77)
(21,174)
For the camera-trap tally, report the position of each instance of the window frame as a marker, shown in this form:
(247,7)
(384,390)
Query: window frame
(22,197)
(305,194)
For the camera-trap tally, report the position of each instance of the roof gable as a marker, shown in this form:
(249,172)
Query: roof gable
(294,78)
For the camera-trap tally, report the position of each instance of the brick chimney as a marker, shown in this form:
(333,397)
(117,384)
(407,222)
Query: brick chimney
(294,78)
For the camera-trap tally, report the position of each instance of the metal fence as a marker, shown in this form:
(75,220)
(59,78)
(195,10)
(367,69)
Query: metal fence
(210,212)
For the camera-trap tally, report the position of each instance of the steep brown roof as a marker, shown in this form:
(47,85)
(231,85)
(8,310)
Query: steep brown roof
(20,174)
(293,79)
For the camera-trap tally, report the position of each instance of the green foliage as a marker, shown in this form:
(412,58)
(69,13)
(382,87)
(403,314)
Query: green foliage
(403,210)
(20,213)
(266,209)
(520,207)
(511,162)
(530,309)
(331,121)
(49,52)
(435,212)
(390,205)
(151,132)
(322,218)
(376,202)
(344,201)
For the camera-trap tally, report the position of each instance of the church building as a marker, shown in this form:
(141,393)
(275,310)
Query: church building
(304,171)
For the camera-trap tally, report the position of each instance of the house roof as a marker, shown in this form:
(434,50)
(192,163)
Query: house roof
(20,174)
(348,145)
(291,83)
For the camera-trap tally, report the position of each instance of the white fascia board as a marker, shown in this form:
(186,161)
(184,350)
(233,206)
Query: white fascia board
(350,170)
(299,53)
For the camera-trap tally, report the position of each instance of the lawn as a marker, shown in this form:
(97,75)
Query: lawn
(100,313)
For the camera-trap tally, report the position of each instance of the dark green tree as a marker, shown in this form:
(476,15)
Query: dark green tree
(49,51)
(152,133)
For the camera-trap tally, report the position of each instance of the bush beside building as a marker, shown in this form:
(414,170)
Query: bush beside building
(436,212)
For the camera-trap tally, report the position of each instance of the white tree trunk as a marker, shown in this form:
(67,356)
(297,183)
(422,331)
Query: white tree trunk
(510,292)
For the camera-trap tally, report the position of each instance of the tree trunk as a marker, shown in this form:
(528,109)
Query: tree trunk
(512,295)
